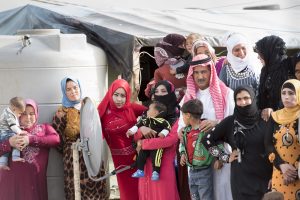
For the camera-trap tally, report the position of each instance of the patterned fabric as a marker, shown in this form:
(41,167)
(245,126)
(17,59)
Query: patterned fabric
(90,190)
(217,88)
(235,79)
(168,49)
(288,148)
(8,120)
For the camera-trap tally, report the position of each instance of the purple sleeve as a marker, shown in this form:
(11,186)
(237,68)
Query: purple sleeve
(219,64)
(49,139)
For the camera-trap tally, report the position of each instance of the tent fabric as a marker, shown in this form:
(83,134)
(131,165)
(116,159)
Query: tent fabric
(121,32)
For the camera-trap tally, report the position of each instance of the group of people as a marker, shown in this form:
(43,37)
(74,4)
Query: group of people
(233,133)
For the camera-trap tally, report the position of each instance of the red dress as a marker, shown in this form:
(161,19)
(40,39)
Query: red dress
(114,130)
(165,188)
(27,180)
(115,123)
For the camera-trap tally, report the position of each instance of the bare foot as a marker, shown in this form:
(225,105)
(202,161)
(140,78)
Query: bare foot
(4,167)
(18,160)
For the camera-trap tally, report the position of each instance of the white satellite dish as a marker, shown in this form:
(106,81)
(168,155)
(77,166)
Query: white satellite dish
(91,139)
(92,145)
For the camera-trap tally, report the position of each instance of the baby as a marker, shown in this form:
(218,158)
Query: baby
(9,126)
(156,122)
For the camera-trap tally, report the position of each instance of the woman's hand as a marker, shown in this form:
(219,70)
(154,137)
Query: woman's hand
(207,125)
(19,141)
(173,71)
(289,173)
(233,156)
(266,113)
(148,132)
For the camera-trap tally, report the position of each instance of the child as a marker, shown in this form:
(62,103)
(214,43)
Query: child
(194,154)
(9,126)
(156,122)
(183,67)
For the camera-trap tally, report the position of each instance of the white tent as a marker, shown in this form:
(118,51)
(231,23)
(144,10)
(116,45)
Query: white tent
(121,29)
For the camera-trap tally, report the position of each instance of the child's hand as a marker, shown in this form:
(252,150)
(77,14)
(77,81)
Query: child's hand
(23,133)
(161,135)
(183,160)
(129,133)
(138,145)
(218,164)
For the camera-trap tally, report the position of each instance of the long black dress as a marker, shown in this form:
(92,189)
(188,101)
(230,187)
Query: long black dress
(250,177)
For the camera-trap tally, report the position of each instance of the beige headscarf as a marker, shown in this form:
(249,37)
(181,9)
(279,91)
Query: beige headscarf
(288,115)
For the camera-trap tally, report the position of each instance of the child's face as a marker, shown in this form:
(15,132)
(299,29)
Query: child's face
(186,118)
(152,112)
(18,112)
(202,50)
(189,44)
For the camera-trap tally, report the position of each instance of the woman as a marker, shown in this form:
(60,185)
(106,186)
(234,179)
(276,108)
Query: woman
(117,115)
(244,131)
(67,123)
(276,69)
(168,54)
(166,187)
(282,142)
(243,66)
(164,92)
(27,180)
(296,65)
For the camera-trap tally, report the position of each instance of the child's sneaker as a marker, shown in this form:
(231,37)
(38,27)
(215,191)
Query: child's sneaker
(155,176)
(139,173)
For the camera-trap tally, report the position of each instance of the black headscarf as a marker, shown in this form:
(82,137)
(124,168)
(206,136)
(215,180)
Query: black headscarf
(245,118)
(276,71)
(295,60)
(168,100)
(247,115)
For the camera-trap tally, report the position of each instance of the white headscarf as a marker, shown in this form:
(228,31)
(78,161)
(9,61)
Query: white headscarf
(238,64)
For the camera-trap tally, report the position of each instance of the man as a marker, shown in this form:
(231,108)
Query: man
(218,103)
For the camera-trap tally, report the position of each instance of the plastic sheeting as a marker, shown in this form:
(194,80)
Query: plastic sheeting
(121,32)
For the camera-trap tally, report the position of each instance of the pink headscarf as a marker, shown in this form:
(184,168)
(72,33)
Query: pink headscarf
(218,90)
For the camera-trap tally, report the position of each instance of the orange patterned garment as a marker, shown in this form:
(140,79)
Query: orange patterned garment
(288,147)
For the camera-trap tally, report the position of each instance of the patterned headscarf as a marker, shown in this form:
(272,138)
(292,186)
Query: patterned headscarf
(218,90)
(203,43)
(65,101)
(167,50)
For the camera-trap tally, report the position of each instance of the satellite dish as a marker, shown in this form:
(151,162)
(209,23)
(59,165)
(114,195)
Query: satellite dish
(92,144)
(91,139)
